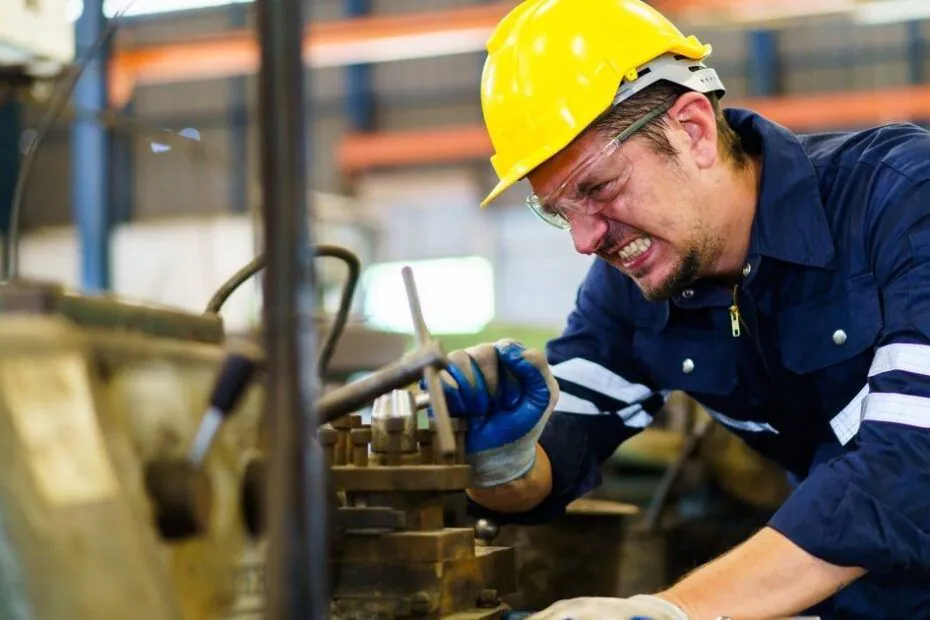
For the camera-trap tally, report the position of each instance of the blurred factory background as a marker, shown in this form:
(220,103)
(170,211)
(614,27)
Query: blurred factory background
(160,201)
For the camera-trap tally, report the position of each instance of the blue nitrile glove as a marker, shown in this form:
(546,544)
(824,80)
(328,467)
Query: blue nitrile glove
(507,393)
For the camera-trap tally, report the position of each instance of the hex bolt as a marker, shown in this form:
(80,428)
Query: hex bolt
(438,457)
(425,440)
(355,421)
(395,431)
(343,428)
(328,437)
(459,427)
(360,440)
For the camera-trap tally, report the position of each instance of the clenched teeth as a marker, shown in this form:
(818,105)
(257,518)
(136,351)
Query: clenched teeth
(634,249)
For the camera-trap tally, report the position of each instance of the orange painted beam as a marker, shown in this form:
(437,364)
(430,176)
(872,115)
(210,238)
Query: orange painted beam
(361,151)
(358,152)
(358,40)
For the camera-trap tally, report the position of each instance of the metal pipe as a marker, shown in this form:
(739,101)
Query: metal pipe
(396,375)
(296,564)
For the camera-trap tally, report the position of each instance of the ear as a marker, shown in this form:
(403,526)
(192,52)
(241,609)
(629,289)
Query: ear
(694,114)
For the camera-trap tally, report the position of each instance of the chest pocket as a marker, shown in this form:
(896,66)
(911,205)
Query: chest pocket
(696,362)
(833,329)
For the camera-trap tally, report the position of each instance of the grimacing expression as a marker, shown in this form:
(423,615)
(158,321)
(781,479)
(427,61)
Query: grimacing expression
(642,211)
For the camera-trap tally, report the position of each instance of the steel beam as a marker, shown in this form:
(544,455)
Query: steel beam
(297,558)
(90,157)
(10,128)
(916,53)
(763,63)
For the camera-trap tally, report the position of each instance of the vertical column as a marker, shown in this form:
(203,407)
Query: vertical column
(123,180)
(90,157)
(238,117)
(916,53)
(10,128)
(358,80)
(763,63)
(297,501)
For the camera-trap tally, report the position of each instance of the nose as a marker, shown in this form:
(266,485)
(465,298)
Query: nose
(588,232)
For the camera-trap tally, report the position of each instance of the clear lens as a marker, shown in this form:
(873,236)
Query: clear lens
(595,182)
(549,217)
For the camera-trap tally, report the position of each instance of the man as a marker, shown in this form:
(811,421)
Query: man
(782,281)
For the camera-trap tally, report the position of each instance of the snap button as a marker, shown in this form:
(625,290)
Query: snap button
(687,366)
(747,270)
(839,337)
(688,293)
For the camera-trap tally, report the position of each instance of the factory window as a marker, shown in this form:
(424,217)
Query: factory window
(457,295)
(148,7)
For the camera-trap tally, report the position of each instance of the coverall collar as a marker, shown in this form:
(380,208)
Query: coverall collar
(790,223)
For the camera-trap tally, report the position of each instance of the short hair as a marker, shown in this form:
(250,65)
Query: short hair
(642,103)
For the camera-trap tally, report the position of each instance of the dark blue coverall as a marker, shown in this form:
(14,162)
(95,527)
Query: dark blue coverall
(829,375)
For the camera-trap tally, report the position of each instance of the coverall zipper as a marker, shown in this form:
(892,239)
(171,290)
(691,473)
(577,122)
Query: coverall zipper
(734,314)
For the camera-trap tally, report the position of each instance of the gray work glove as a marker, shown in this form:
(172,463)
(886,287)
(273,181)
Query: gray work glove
(506,393)
(640,607)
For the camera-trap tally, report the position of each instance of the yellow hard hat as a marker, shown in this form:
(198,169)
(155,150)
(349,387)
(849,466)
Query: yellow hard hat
(554,66)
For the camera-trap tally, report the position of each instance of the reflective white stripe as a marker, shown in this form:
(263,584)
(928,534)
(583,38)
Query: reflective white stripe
(572,404)
(846,423)
(743,425)
(595,377)
(633,416)
(899,408)
(913,358)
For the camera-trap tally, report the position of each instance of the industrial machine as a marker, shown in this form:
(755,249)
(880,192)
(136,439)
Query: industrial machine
(135,450)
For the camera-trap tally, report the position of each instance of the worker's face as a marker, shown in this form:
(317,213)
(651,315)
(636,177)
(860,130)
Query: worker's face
(648,214)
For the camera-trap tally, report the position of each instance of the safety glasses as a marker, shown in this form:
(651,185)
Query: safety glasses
(594,183)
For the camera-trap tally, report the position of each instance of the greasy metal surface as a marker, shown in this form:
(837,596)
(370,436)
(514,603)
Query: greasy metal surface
(403,478)
(371,519)
(450,585)
(439,546)
(82,412)
(109,312)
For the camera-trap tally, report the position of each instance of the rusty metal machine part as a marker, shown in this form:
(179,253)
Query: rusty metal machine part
(24,297)
(398,559)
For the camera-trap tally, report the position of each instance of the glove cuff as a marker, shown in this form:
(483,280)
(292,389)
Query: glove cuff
(508,462)
(664,609)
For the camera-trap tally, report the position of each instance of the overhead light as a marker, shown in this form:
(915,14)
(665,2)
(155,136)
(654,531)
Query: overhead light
(131,8)
(877,12)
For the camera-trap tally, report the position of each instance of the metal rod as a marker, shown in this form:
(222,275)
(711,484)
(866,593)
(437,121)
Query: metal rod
(297,557)
(396,375)
(445,436)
